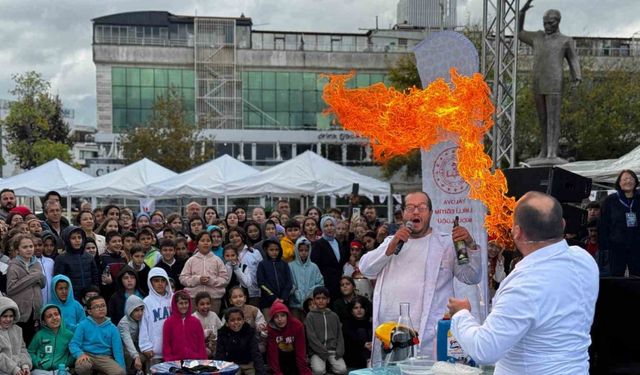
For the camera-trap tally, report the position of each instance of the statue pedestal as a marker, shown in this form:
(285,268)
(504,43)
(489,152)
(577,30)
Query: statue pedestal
(545,162)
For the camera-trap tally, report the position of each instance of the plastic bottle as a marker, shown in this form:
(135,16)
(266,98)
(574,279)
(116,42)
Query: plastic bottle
(461,248)
(62,369)
(447,347)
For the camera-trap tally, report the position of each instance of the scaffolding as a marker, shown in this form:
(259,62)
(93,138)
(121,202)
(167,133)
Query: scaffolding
(499,67)
(217,79)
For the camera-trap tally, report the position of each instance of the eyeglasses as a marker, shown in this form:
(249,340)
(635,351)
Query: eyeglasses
(412,207)
(99,307)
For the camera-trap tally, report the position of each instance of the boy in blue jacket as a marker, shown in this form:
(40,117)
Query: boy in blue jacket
(96,344)
(306,277)
(62,296)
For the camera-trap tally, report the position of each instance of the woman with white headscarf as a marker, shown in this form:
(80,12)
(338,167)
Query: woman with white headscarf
(329,255)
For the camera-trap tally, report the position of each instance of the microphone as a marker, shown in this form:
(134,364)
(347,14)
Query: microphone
(408,225)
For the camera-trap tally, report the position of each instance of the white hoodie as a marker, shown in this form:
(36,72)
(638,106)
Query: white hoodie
(157,309)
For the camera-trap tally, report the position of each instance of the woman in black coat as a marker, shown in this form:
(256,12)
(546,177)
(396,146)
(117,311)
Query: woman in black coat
(619,229)
(324,256)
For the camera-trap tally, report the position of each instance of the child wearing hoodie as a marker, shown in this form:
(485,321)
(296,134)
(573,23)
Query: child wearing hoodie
(237,343)
(14,358)
(306,277)
(50,346)
(24,281)
(126,285)
(274,277)
(324,334)
(62,296)
(183,337)
(96,344)
(75,263)
(156,311)
(129,328)
(286,346)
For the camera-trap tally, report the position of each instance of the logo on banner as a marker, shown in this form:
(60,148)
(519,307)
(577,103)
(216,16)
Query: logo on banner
(445,173)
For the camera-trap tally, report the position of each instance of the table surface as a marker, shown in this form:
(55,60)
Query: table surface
(393,370)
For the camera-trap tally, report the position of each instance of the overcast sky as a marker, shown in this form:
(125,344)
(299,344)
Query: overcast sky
(54,36)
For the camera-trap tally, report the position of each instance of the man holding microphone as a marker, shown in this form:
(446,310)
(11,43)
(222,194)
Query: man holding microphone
(420,271)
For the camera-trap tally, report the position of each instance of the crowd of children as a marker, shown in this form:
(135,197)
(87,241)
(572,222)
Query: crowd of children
(238,290)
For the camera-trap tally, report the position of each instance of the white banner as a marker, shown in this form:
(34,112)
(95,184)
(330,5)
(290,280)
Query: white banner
(448,192)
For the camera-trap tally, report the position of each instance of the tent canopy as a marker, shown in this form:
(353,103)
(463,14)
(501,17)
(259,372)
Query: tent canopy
(131,181)
(606,170)
(307,174)
(207,180)
(52,175)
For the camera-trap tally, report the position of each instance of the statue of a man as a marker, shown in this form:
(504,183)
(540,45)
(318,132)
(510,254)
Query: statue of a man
(550,48)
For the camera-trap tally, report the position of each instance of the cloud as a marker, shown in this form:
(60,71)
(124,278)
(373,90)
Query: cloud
(54,37)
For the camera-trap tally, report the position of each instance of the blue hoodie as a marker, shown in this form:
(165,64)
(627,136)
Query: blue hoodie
(97,339)
(72,311)
(306,276)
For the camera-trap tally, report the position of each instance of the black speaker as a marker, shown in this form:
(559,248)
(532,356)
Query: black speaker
(574,217)
(565,186)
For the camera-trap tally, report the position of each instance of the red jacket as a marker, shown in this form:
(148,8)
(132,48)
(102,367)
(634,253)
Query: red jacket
(289,338)
(182,337)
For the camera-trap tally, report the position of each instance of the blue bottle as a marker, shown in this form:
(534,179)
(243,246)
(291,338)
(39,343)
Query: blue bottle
(62,370)
(442,333)
(447,347)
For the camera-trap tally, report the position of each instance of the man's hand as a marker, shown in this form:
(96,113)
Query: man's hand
(456,305)
(402,234)
(148,353)
(461,233)
(137,363)
(526,6)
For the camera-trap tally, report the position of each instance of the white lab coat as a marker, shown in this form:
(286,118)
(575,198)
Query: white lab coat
(436,283)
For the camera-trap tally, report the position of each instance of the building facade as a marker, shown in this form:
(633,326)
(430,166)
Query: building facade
(429,14)
(258,94)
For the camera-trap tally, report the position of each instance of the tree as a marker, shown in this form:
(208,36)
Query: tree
(35,129)
(167,137)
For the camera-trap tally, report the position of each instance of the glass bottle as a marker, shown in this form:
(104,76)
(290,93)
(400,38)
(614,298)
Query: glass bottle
(403,339)
(461,248)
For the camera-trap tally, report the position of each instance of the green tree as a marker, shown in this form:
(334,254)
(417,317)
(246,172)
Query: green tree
(168,137)
(34,129)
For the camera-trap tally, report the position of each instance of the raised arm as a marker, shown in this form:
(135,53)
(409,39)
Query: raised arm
(522,13)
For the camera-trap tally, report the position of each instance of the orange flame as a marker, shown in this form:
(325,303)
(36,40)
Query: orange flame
(398,122)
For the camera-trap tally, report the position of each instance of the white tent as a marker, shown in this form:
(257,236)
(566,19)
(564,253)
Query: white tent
(52,175)
(606,170)
(207,180)
(308,174)
(131,181)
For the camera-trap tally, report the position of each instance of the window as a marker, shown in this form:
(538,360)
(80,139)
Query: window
(135,90)
(265,152)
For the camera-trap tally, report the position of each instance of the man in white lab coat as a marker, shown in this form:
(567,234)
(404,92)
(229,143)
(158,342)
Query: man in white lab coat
(421,273)
(543,311)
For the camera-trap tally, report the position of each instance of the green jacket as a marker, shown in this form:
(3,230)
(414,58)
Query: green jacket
(48,349)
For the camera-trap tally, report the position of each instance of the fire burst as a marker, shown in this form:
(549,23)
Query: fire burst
(398,122)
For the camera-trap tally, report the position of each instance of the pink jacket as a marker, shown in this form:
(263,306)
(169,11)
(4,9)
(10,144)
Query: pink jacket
(182,337)
(204,265)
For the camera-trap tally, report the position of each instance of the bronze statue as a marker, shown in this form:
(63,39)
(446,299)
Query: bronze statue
(550,48)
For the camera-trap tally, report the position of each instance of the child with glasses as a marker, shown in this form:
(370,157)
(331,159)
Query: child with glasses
(96,344)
